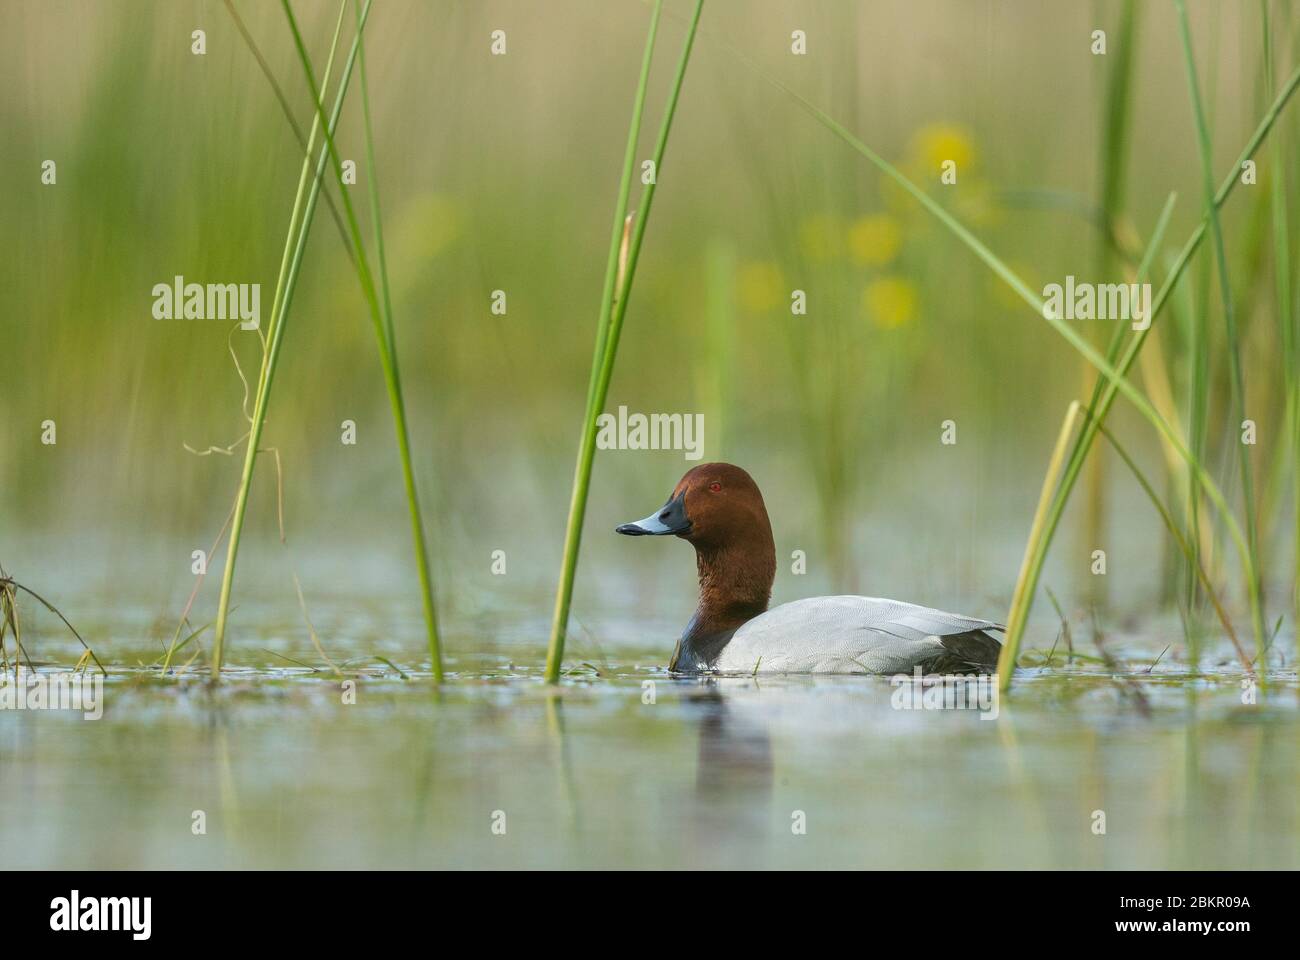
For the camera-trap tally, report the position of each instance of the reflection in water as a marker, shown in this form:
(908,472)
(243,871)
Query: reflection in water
(706,774)
(733,776)
(735,753)
(562,761)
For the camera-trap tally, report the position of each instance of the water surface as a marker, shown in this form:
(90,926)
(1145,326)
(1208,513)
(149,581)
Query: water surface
(713,772)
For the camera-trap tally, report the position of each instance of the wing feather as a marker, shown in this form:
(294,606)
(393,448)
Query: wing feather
(848,634)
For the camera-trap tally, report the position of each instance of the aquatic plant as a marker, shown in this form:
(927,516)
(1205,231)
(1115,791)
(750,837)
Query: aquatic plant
(620,270)
(304,209)
(1236,377)
(1113,375)
(380,313)
(11,624)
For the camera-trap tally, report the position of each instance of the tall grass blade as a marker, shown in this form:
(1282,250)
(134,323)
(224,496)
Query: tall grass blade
(1286,319)
(1118,383)
(1181,542)
(283,101)
(614,301)
(1230,322)
(582,471)
(309,186)
(1115,376)
(399,408)
(381,319)
(1020,598)
(1114,168)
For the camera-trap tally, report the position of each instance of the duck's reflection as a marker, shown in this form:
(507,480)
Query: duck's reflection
(735,752)
(733,779)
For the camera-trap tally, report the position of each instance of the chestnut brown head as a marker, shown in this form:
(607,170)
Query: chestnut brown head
(712,506)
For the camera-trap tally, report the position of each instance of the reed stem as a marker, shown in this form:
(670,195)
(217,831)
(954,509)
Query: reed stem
(1114,375)
(1286,318)
(1020,598)
(381,319)
(1237,382)
(286,283)
(609,326)
(395,386)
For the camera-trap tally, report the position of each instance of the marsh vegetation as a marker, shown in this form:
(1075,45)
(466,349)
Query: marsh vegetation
(843,257)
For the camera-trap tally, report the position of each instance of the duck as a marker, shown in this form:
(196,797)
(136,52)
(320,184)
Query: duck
(719,510)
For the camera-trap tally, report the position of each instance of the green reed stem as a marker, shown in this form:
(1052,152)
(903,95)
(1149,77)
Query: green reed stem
(1118,382)
(582,471)
(381,319)
(1237,381)
(1114,375)
(1100,409)
(1021,596)
(395,388)
(1040,539)
(283,101)
(1286,316)
(609,327)
(1181,542)
(1114,167)
(286,283)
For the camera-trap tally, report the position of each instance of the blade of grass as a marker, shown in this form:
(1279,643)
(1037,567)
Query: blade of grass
(1021,596)
(1041,538)
(1182,545)
(1114,376)
(1114,167)
(1086,438)
(622,218)
(1285,317)
(404,443)
(633,251)
(1197,297)
(613,309)
(290,266)
(1236,379)
(582,471)
(58,613)
(194,592)
(285,108)
(381,319)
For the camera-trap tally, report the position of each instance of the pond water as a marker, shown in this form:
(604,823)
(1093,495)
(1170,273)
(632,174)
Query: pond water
(496,770)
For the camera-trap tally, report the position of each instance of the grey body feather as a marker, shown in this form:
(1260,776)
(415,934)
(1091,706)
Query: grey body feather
(856,635)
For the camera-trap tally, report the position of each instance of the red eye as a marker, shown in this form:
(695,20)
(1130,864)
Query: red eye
(715,486)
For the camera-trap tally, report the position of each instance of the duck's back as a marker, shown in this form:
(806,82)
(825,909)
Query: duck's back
(859,635)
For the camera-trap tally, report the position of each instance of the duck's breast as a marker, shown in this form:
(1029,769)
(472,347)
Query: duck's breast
(843,635)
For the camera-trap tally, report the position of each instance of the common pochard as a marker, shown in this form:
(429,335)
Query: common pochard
(719,510)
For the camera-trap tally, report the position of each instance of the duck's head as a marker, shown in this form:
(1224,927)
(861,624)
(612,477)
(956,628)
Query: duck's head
(717,508)
(714,506)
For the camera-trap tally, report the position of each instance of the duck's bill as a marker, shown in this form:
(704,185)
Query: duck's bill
(668,519)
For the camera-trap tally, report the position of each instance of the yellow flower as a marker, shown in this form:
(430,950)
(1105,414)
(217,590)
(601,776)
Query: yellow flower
(761,285)
(875,239)
(820,237)
(891,302)
(937,142)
